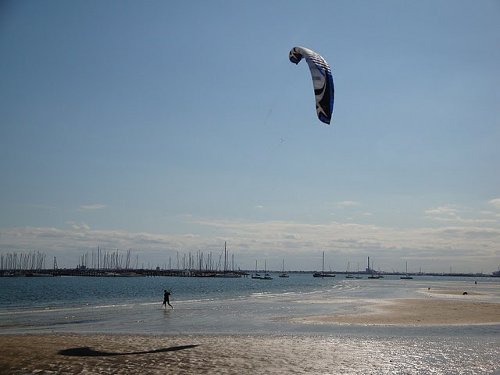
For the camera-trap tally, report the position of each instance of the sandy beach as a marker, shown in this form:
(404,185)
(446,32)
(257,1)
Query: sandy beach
(416,312)
(277,354)
(242,354)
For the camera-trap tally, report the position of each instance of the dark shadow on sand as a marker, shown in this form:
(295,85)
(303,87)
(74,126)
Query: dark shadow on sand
(85,351)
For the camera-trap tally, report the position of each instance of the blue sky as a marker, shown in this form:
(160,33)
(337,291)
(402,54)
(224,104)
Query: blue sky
(167,126)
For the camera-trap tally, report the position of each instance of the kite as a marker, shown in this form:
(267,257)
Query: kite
(322,80)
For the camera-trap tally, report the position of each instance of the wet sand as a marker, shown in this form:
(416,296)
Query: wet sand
(244,354)
(436,307)
(416,312)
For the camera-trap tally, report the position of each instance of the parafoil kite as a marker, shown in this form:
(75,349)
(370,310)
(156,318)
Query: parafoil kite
(322,80)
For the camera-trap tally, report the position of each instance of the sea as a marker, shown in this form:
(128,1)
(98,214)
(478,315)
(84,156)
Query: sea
(246,306)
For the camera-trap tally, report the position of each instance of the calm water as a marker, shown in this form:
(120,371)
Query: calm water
(206,305)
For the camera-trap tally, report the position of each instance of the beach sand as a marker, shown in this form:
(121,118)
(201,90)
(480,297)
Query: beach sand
(244,354)
(274,354)
(416,312)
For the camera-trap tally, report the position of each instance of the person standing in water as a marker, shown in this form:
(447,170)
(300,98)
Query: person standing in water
(166,299)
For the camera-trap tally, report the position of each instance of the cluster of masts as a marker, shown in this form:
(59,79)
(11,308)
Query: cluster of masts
(102,259)
(187,264)
(106,260)
(28,261)
(102,262)
(199,261)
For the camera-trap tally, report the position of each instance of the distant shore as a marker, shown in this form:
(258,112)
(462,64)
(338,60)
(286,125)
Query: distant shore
(130,272)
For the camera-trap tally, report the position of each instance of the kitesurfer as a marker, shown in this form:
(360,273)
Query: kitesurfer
(166,299)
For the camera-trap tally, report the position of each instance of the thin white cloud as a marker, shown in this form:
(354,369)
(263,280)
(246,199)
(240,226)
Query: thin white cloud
(347,203)
(458,219)
(79,226)
(460,215)
(91,207)
(442,211)
(495,203)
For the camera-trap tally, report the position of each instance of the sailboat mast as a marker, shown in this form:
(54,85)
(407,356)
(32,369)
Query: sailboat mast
(225,257)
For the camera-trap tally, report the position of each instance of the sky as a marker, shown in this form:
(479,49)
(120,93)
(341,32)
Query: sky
(171,127)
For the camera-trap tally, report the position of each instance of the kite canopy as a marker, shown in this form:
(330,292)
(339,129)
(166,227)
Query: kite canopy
(322,80)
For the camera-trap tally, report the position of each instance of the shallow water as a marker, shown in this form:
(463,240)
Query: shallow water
(209,305)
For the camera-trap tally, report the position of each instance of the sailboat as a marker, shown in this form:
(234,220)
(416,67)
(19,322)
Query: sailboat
(283,273)
(349,275)
(266,275)
(373,274)
(358,275)
(256,275)
(227,273)
(323,273)
(406,276)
